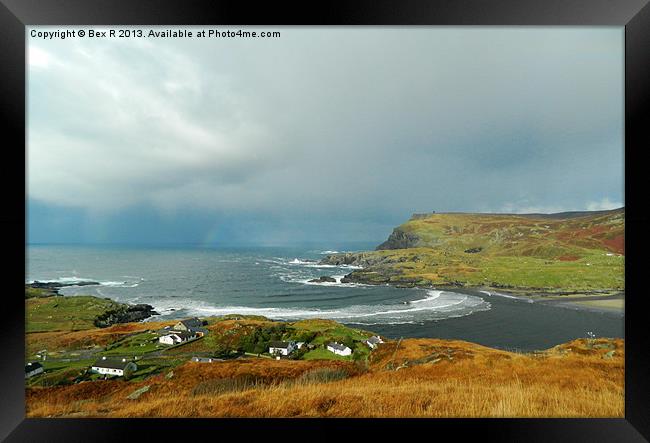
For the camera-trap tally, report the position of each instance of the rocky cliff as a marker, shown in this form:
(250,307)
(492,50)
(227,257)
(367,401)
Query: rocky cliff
(400,239)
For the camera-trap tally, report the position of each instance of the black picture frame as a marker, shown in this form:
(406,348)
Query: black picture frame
(634,15)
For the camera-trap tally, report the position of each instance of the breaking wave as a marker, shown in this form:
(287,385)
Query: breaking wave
(498,294)
(436,305)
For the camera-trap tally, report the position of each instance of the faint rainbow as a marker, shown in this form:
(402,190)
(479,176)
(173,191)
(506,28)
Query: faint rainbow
(210,237)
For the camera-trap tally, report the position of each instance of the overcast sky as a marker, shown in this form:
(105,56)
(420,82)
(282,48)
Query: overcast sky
(324,134)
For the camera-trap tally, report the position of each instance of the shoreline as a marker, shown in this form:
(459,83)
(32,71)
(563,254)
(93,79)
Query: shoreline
(575,300)
(574,303)
(563,298)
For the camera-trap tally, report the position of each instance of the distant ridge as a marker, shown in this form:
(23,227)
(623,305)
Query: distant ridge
(553,215)
(574,214)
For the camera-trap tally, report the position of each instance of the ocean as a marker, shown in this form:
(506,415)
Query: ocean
(274,282)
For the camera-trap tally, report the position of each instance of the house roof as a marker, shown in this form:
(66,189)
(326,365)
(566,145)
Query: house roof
(182,334)
(32,366)
(337,346)
(279,344)
(112,363)
(374,340)
(191,322)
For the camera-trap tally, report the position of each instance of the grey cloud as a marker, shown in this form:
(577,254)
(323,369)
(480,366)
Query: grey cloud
(337,123)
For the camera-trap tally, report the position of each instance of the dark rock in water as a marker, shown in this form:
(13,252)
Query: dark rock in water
(124,314)
(370,278)
(473,250)
(56,285)
(323,279)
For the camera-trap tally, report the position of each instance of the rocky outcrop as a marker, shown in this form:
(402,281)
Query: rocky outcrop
(56,285)
(367,259)
(323,279)
(51,288)
(124,314)
(347,258)
(399,239)
(385,276)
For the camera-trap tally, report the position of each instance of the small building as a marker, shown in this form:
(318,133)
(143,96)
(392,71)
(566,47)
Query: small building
(204,359)
(113,366)
(176,337)
(188,324)
(300,344)
(32,369)
(373,341)
(281,347)
(339,349)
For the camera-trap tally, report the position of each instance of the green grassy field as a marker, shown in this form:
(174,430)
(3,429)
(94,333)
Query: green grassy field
(64,313)
(135,345)
(324,354)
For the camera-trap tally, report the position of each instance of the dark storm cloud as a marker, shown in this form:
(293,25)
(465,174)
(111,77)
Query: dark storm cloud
(342,131)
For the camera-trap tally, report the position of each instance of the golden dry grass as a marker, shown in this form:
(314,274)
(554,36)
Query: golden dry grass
(73,340)
(420,378)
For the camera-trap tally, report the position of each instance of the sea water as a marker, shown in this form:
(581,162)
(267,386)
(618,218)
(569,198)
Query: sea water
(274,282)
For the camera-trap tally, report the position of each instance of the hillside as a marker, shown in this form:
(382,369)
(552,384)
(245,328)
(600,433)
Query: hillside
(63,336)
(399,378)
(575,252)
(409,378)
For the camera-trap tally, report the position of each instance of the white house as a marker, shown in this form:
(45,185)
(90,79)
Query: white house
(32,369)
(282,348)
(169,339)
(338,349)
(176,337)
(373,341)
(113,366)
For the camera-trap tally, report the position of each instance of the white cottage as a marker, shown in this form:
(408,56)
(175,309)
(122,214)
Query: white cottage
(282,347)
(176,337)
(113,366)
(373,341)
(339,349)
